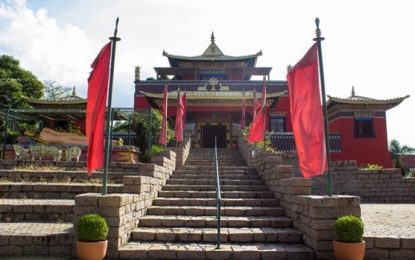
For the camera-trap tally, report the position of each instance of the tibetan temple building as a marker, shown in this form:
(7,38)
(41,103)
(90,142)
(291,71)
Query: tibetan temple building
(216,85)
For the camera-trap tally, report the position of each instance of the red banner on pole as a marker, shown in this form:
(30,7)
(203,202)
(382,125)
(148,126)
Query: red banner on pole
(259,124)
(307,114)
(95,111)
(163,132)
(178,129)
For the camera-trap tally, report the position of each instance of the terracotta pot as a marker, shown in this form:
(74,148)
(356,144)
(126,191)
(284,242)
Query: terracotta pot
(349,251)
(91,250)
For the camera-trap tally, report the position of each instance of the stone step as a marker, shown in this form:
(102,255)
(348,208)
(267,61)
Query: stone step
(213,171)
(52,190)
(264,251)
(211,211)
(210,163)
(227,235)
(213,176)
(206,187)
(224,167)
(213,182)
(19,210)
(42,239)
(212,194)
(211,221)
(237,202)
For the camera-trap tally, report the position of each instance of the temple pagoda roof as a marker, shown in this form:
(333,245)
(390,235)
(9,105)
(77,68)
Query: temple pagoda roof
(364,102)
(72,100)
(212,53)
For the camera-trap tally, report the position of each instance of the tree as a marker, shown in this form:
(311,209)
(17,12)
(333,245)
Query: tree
(53,90)
(16,82)
(396,150)
(141,126)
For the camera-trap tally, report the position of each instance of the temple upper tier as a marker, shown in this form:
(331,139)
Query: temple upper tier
(212,63)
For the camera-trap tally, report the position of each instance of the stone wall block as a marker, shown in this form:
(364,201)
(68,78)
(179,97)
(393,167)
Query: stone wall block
(87,199)
(387,242)
(114,200)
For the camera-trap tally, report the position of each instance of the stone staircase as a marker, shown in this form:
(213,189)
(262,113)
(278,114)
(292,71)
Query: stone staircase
(37,206)
(181,223)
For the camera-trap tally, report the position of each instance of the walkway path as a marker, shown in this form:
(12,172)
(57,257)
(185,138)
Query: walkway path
(389,220)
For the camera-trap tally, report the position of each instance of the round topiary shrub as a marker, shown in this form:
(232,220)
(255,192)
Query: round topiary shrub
(92,228)
(349,229)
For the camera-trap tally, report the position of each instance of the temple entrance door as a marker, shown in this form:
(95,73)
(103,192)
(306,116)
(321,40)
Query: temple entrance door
(208,136)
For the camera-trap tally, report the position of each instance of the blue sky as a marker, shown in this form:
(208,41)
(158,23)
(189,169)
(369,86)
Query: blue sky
(369,43)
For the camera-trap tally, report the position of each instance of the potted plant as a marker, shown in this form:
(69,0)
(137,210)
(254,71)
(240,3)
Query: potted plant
(349,233)
(92,232)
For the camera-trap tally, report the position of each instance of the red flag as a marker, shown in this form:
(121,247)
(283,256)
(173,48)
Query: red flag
(307,115)
(95,111)
(178,129)
(163,132)
(243,115)
(259,124)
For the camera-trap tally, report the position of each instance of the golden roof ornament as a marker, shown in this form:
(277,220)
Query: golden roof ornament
(353,93)
(74,91)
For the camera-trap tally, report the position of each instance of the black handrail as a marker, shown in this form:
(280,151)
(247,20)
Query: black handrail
(218,196)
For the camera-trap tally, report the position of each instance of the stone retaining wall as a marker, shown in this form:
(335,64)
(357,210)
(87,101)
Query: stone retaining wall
(314,216)
(378,186)
(122,207)
(121,211)
(390,248)
(182,151)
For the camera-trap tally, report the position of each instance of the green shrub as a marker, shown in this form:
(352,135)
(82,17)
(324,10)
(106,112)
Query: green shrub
(349,229)
(91,228)
(156,149)
(144,157)
(372,167)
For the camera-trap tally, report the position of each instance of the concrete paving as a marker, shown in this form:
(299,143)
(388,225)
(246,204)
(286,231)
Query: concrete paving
(389,220)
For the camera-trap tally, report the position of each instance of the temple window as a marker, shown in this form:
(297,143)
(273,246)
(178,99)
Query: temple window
(364,128)
(277,123)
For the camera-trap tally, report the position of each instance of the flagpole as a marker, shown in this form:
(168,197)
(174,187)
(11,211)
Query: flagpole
(114,40)
(178,97)
(319,39)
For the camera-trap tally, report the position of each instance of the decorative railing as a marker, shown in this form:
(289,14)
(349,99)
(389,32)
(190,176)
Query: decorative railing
(285,142)
(218,196)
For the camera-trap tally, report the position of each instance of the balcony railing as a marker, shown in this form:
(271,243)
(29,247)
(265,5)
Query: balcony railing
(284,141)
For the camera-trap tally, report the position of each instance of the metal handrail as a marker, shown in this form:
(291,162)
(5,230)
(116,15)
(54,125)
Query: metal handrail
(218,196)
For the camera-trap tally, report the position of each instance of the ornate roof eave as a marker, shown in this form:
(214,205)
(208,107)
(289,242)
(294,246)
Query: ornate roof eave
(72,100)
(212,95)
(212,58)
(62,113)
(389,103)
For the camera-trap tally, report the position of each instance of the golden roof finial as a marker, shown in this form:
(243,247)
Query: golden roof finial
(353,93)
(74,91)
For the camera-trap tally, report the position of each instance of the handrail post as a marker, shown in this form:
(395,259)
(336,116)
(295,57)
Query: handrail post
(218,196)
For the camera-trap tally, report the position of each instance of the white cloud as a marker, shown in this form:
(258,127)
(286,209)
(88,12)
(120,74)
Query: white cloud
(51,51)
